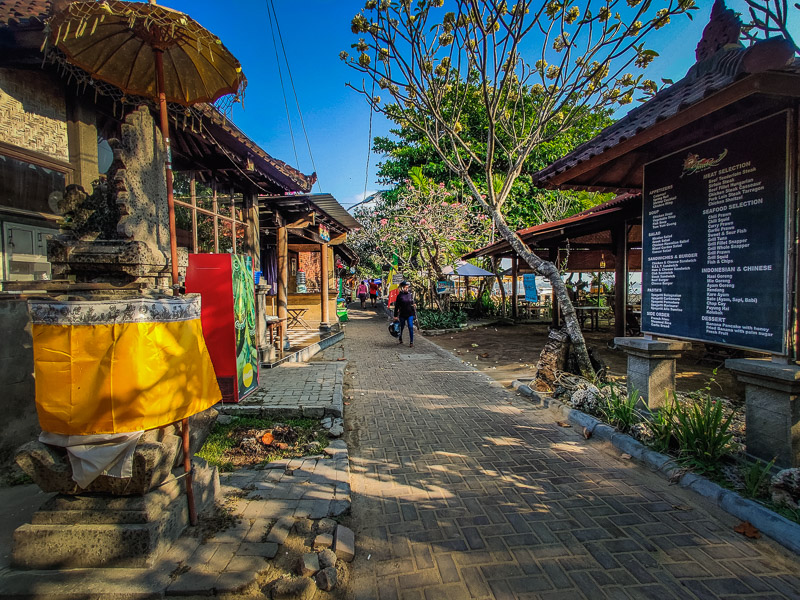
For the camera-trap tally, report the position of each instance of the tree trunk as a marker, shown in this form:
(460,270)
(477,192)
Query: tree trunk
(549,270)
(496,269)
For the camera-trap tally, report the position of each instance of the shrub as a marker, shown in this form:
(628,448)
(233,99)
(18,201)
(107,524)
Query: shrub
(620,409)
(661,424)
(701,432)
(756,476)
(434,319)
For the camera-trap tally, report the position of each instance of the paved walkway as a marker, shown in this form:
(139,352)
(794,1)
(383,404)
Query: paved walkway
(294,389)
(463,490)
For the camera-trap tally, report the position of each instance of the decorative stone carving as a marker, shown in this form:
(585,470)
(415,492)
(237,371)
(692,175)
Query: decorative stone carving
(140,183)
(120,233)
(723,29)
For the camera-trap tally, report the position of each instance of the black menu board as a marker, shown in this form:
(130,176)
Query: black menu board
(714,239)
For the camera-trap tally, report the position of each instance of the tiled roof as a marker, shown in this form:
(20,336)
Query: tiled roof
(24,12)
(287,177)
(598,218)
(704,79)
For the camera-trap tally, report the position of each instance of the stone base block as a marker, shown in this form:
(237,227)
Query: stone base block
(651,367)
(103,531)
(772,409)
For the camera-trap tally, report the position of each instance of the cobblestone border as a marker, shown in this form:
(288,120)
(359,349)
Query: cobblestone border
(465,327)
(778,528)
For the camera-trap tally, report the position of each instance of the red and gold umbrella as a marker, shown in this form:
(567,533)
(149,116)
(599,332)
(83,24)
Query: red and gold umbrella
(155,52)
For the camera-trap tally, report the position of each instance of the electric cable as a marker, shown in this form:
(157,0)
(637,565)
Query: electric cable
(294,92)
(283,88)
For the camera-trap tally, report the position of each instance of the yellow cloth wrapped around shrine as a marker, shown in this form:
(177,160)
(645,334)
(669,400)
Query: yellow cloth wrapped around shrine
(120,365)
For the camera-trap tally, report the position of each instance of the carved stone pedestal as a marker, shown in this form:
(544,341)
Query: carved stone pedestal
(98,531)
(651,367)
(772,405)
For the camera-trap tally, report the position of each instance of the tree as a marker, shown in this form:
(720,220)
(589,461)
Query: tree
(424,225)
(425,57)
(526,205)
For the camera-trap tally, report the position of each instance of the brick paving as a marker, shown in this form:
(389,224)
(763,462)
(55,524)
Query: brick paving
(292,389)
(461,489)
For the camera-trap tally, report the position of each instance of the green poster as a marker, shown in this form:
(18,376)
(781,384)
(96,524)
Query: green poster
(244,319)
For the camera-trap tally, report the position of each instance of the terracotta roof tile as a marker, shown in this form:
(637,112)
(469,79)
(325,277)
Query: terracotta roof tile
(23,12)
(702,80)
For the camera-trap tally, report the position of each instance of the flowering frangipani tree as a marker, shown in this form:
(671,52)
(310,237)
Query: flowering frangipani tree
(569,56)
(427,228)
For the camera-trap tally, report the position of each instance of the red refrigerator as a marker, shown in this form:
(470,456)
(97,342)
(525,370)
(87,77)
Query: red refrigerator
(225,284)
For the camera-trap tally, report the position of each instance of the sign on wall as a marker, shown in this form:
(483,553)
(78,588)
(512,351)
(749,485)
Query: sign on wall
(529,282)
(445,287)
(714,239)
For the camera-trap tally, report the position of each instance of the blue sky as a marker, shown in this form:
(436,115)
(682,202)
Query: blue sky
(336,118)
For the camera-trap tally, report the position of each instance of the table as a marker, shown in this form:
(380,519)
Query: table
(296,318)
(589,312)
(272,323)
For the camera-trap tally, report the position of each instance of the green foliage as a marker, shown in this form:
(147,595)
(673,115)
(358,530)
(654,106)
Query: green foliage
(662,425)
(424,225)
(223,438)
(436,319)
(702,434)
(410,151)
(18,477)
(619,409)
(756,477)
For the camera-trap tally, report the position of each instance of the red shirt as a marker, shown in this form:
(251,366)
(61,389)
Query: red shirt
(373,289)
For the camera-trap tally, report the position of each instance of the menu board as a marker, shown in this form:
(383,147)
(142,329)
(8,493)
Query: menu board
(714,239)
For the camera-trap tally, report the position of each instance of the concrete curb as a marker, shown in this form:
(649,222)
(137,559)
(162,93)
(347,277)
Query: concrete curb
(466,327)
(771,524)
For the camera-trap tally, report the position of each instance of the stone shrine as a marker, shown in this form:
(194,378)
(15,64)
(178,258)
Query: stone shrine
(119,233)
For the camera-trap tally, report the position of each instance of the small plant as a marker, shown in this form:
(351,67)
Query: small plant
(662,424)
(702,434)
(620,409)
(756,477)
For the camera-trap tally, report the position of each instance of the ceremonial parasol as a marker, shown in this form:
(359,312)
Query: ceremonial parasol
(155,52)
(151,51)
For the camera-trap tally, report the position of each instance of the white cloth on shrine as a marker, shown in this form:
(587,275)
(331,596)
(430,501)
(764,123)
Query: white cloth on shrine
(93,455)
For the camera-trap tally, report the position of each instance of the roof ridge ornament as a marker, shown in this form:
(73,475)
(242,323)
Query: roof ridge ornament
(724,28)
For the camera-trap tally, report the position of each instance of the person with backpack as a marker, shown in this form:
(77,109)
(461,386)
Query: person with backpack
(373,291)
(405,309)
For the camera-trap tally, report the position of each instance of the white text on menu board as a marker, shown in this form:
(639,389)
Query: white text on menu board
(665,259)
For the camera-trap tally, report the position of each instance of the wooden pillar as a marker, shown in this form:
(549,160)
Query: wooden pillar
(514,274)
(215,209)
(193,198)
(283,277)
(252,239)
(620,238)
(233,223)
(324,324)
(466,288)
(556,316)
(82,143)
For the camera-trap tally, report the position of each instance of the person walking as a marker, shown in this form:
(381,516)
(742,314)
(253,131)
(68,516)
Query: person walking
(373,291)
(361,292)
(405,309)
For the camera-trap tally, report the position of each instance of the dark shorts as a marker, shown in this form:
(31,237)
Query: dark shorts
(373,295)
(362,297)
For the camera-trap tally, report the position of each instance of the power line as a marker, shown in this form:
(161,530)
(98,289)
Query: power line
(283,89)
(369,137)
(294,92)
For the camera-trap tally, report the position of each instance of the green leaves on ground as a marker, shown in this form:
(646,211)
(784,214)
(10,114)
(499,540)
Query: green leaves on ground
(435,319)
